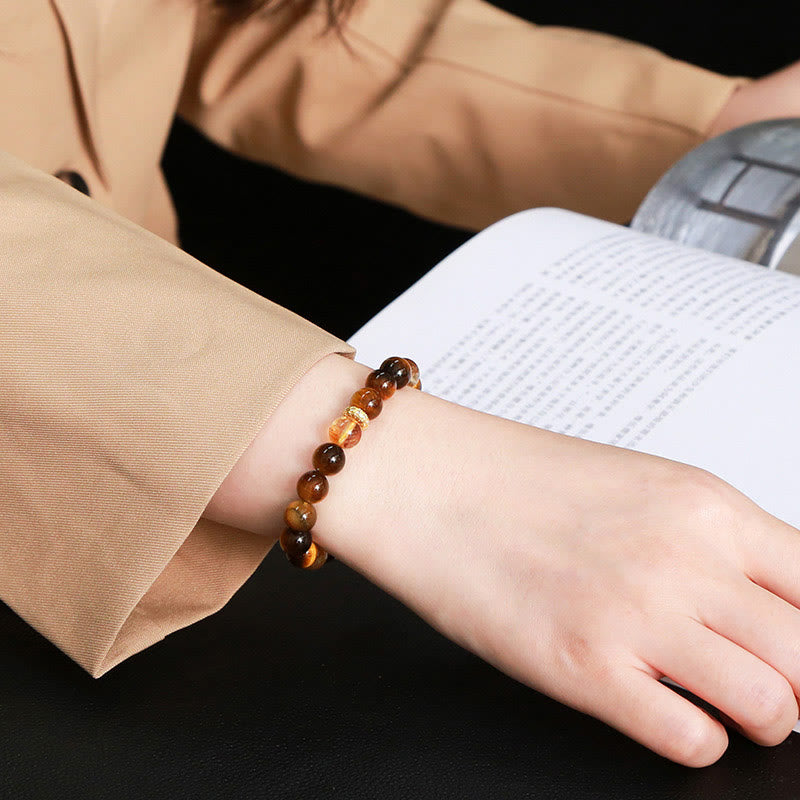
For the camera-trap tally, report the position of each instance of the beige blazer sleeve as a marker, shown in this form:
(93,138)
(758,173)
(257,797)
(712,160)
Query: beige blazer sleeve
(451,108)
(132,378)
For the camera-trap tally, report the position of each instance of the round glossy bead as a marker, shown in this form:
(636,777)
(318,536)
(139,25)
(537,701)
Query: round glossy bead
(413,374)
(313,558)
(368,400)
(359,415)
(320,558)
(345,432)
(328,458)
(300,515)
(398,368)
(382,382)
(295,543)
(312,486)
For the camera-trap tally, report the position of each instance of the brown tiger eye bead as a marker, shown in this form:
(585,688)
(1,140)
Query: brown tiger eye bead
(320,558)
(313,558)
(312,486)
(413,374)
(295,543)
(398,368)
(382,382)
(328,458)
(345,432)
(300,515)
(368,400)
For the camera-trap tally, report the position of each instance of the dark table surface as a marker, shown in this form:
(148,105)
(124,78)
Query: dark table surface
(322,686)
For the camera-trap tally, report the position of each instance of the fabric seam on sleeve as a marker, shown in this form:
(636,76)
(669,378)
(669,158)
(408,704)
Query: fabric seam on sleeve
(406,68)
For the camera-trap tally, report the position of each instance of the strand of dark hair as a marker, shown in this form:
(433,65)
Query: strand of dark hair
(337,9)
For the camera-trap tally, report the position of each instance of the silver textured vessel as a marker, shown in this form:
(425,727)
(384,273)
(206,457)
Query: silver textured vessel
(737,194)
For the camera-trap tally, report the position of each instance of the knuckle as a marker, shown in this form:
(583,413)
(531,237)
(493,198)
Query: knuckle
(705,499)
(772,710)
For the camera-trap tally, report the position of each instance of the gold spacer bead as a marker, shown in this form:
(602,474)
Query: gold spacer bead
(358,415)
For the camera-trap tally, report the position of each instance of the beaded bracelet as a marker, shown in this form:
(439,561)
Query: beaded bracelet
(328,459)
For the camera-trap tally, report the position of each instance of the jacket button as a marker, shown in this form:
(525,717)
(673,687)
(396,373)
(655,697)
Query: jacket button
(75,180)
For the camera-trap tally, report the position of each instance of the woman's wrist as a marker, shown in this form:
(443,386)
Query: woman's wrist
(381,474)
(412,474)
(254,494)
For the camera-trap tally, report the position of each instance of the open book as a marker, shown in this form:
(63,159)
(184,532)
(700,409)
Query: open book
(591,329)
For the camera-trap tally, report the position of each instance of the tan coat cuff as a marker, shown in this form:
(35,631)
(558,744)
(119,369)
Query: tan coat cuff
(133,377)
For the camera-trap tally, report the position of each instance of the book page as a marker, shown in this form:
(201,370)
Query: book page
(585,350)
(587,328)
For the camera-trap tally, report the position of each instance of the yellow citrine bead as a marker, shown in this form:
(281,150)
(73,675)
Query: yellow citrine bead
(344,431)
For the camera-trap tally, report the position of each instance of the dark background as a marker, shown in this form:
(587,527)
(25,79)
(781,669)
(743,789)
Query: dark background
(322,686)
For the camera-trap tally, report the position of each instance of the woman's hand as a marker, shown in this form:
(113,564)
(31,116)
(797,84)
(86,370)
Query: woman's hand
(774,96)
(585,571)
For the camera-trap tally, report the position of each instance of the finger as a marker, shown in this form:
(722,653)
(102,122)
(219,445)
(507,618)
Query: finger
(773,558)
(770,628)
(636,704)
(742,686)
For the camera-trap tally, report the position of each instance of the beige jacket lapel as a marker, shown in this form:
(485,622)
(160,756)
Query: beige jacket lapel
(83,21)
